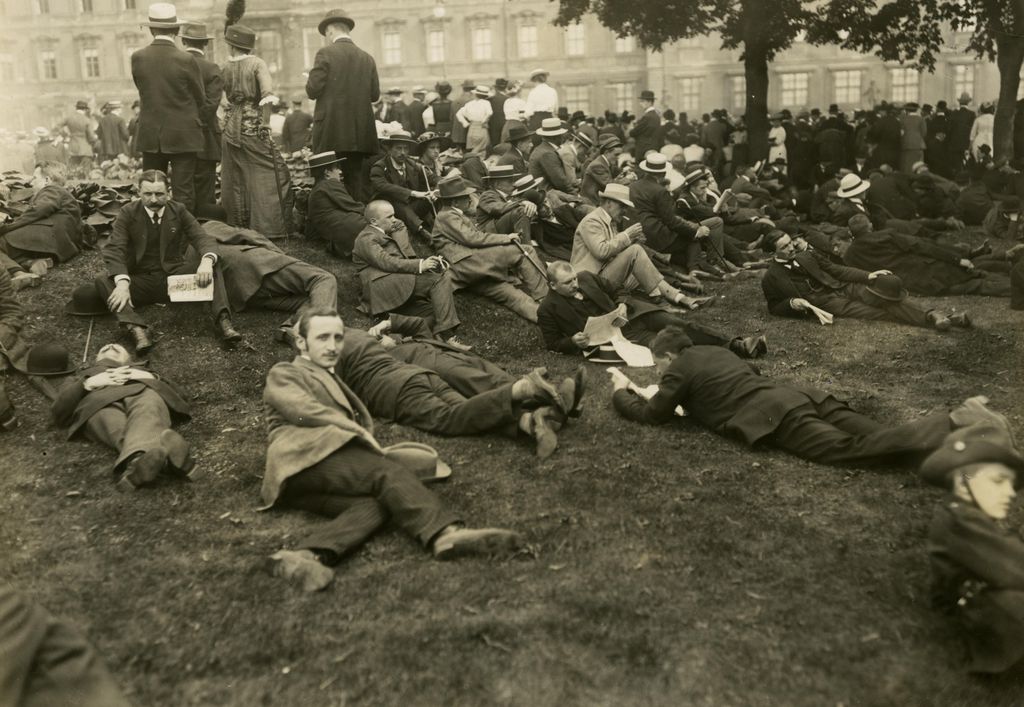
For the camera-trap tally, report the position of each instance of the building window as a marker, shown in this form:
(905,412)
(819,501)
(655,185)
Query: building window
(392,46)
(846,86)
(794,88)
(527,41)
(269,44)
(689,94)
(435,46)
(85,6)
(577,98)
(90,63)
(738,93)
(481,39)
(41,7)
(624,95)
(963,80)
(903,84)
(6,68)
(48,64)
(625,45)
(575,40)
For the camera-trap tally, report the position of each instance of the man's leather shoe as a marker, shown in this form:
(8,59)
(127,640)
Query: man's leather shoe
(939,320)
(571,391)
(179,454)
(544,391)
(228,334)
(460,542)
(749,346)
(960,319)
(140,336)
(543,430)
(142,470)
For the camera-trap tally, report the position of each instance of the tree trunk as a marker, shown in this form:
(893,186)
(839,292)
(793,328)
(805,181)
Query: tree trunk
(1009,57)
(755,66)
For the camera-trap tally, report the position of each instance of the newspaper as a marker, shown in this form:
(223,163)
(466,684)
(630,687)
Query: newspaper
(601,330)
(183,288)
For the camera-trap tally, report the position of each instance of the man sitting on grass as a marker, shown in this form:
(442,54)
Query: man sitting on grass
(729,397)
(322,457)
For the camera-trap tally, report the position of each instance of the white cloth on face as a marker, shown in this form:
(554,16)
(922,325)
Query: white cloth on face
(542,99)
(476,111)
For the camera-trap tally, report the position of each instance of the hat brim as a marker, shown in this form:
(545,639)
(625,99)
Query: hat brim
(624,202)
(551,133)
(197,39)
(644,167)
(529,187)
(859,189)
(465,192)
(327,164)
(239,45)
(69,308)
(889,298)
(163,25)
(22,368)
(496,177)
(937,473)
(396,140)
(421,146)
(324,23)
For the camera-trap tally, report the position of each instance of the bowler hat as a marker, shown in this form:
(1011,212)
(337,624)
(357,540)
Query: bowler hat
(964,99)
(162,15)
(240,36)
(888,287)
(833,108)
(45,359)
(196,31)
(526,183)
(654,163)
(517,133)
(501,84)
(454,188)
(978,443)
(333,16)
(322,159)
(468,84)
(442,87)
(851,185)
(399,136)
(86,301)
(501,171)
(911,106)
(616,192)
(551,127)
(647,95)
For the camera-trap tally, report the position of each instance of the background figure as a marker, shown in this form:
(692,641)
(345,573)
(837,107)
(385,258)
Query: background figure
(195,40)
(81,139)
(112,133)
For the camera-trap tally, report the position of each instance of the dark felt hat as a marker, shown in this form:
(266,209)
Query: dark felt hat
(608,142)
(978,443)
(333,16)
(647,95)
(240,36)
(196,31)
(86,301)
(46,359)
(888,287)
(517,133)
(454,188)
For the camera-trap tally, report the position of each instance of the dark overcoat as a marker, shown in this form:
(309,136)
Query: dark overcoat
(344,84)
(171,96)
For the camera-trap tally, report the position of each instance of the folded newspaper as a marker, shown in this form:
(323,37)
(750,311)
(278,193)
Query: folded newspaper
(183,288)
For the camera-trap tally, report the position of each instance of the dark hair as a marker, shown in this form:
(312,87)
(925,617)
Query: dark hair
(195,43)
(771,239)
(669,114)
(308,312)
(154,176)
(164,31)
(670,340)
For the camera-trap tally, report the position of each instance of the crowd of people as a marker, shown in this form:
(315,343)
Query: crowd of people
(579,225)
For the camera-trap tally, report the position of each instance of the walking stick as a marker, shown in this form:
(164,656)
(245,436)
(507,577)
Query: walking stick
(275,157)
(534,263)
(88,339)
(426,180)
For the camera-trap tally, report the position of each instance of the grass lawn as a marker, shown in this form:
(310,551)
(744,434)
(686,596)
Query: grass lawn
(666,566)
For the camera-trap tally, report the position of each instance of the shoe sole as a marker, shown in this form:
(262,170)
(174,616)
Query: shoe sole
(485,543)
(144,471)
(319,578)
(179,454)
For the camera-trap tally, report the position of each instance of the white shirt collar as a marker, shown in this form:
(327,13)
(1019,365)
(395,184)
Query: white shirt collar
(195,50)
(153,215)
(163,38)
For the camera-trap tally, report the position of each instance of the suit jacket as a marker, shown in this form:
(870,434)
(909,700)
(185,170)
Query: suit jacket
(655,210)
(344,84)
(925,267)
(414,115)
(51,224)
(171,98)
(74,404)
(310,414)
(546,162)
(113,135)
(721,392)
(517,159)
(886,134)
(915,131)
(333,214)
(893,193)
(491,207)
(213,87)
(779,288)
(178,231)
(387,266)
(645,132)
(596,242)
(570,159)
(978,575)
(961,121)
(389,184)
(296,131)
(81,135)
(715,135)
(598,174)
(12,317)
(474,253)
(374,374)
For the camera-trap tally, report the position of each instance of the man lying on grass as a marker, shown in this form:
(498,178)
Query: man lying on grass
(728,396)
(322,457)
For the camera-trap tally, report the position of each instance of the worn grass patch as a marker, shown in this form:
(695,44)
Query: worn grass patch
(667,566)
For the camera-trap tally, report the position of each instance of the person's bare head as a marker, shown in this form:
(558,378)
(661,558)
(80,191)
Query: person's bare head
(380,213)
(113,355)
(562,278)
(153,189)
(54,172)
(859,225)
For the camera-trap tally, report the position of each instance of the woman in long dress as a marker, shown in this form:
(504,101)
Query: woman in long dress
(255,184)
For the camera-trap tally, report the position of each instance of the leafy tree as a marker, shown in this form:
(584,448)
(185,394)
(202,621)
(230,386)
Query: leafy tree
(762,28)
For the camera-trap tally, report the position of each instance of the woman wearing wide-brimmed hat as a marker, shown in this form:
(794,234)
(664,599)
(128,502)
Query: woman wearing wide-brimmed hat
(255,184)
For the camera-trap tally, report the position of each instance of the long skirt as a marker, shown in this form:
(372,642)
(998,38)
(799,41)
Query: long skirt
(255,186)
(478,140)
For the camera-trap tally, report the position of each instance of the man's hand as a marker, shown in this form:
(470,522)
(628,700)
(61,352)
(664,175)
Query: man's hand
(204,274)
(529,208)
(434,263)
(876,273)
(966,264)
(702,232)
(619,381)
(380,328)
(138,374)
(112,376)
(581,340)
(514,238)
(120,297)
(635,233)
(430,195)
(799,304)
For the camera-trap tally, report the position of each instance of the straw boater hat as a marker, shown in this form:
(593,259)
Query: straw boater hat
(539,72)
(163,15)
(583,139)
(40,132)
(419,91)
(551,127)
(654,163)
(333,16)
(852,185)
(501,171)
(694,176)
(526,183)
(482,91)
(617,192)
(322,159)
(399,136)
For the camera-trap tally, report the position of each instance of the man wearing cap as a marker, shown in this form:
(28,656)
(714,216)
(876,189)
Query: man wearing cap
(171,101)
(195,41)
(542,101)
(474,116)
(914,137)
(112,133)
(498,211)
(125,406)
(81,138)
(645,132)
(575,152)
(397,179)
(297,129)
(619,257)
(727,396)
(797,278)
(344,84)
(490,264)
(545,161)
(332,215)
(414,112)
(395,279)
(977,562)
(602,170)
(154,238)
(961,121)
(497,101)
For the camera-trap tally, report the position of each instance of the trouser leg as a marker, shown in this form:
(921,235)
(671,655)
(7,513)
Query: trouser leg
(205,181)
(632,267)
(529,270)
(144,288)
(292,286)
(147,417)
(355,172)
(428,403)
(509,296)
(989,286)
(183,178)
(442,301)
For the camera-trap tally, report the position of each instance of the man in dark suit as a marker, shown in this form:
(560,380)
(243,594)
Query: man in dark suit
(886,134)
(344,84)
(575,297)
(194,38)
(601,170)
(295,134)
(414,112)
(727,396)
(497,101)
(392,108)
(796,278)
(332,214)
(520,141)
(399,180)
(127,407)
(664,230)
(112,132)
(151,240)
(645,132)
(960,123)
(545,160)
(171,103)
